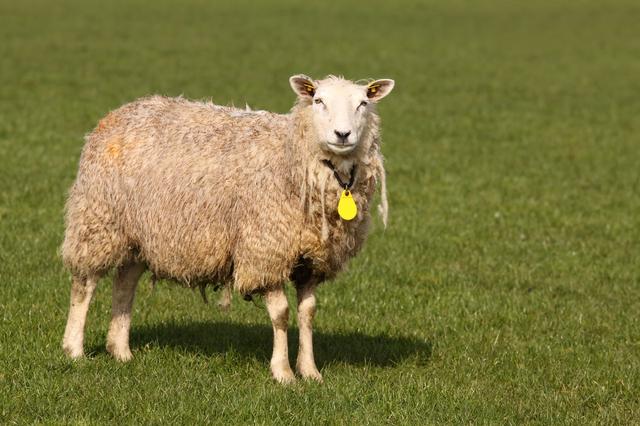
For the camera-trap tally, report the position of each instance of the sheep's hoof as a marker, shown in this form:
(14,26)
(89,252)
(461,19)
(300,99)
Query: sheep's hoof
(122,355)
(310,373)
(283,376)
(224,306)
(73,352)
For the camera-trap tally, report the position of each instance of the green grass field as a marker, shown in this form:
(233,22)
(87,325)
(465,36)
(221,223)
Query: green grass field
(506,289)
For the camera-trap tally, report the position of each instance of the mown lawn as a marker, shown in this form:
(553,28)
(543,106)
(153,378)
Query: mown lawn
(506,289)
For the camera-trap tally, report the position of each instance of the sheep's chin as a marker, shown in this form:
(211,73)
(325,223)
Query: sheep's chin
(340,149)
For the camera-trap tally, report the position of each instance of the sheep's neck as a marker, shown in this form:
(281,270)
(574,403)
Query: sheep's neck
(346,184)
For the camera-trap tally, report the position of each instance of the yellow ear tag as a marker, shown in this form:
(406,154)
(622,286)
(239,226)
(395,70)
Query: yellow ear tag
(346,206)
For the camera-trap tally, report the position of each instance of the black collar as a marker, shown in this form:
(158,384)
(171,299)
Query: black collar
(346,186)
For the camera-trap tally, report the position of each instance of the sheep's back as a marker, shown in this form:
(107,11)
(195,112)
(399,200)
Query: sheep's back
(184,176)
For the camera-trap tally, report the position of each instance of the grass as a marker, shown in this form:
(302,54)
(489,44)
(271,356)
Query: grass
(505,290)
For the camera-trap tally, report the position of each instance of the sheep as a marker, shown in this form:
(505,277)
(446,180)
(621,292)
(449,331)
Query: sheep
(199,193)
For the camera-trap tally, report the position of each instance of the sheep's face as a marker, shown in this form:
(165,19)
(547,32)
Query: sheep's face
(340,109)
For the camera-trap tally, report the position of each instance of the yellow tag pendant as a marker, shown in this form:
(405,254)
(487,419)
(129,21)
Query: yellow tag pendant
(347,208)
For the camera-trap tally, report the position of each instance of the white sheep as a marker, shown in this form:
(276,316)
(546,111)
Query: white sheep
(200,193)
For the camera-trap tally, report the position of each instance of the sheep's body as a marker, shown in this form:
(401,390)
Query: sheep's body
(202,193)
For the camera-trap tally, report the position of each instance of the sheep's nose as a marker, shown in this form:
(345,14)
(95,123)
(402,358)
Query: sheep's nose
(342,135)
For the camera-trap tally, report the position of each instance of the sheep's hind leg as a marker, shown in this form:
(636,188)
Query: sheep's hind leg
(124,290)
(278,309)
(225,299)
(306,365)
(81,294)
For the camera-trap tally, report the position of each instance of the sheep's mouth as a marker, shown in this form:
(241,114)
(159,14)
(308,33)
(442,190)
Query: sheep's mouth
(341,147)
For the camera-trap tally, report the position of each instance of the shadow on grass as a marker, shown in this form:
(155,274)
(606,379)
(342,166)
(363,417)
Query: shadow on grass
(255,341)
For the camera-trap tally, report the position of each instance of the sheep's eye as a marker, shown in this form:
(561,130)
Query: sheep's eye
(363,104)
(318,101)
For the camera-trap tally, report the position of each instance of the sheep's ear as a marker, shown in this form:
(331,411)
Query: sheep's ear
(302,85)
(378,89)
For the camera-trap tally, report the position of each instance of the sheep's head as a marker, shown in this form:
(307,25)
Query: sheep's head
(340,108)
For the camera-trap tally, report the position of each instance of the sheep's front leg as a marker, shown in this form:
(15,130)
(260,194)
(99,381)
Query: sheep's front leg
(124,290)
(81,295)
(306,364)
(278,309)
